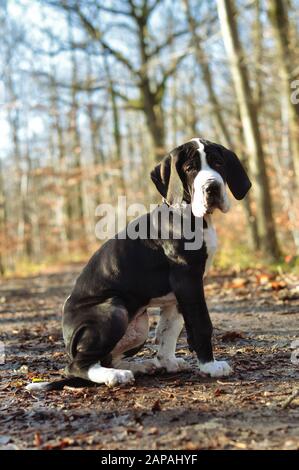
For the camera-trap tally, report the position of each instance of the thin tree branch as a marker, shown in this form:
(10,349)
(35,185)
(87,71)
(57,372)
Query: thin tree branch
(96,34)
(168,41)
(153,6)
(167,73)
(131,103)
(115,11)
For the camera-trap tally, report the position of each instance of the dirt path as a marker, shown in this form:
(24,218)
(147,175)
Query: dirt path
(255,318)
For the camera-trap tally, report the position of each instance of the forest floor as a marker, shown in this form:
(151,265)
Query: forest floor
(256,320)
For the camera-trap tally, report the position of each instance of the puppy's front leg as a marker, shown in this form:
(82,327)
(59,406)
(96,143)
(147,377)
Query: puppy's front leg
(192,304)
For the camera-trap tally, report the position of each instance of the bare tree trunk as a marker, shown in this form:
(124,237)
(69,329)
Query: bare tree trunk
(130,146)
(278,152)
(116,126)
(258,55)
(3,225)
(74,132)
(26,209)
(192,117)
(251,220)
(174,112)
(278,15)
(154,118)
(98,157)
(152,103)
(62,199)
(20,175)
(207,78)
(248,113)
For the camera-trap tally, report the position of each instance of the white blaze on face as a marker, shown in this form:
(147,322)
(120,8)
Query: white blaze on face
(205,175)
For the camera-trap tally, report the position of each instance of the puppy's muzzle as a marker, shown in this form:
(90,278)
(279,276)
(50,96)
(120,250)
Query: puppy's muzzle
(212,195)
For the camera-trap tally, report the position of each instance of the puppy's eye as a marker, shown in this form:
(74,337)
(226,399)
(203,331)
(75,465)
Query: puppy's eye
(188,169)
(218,161)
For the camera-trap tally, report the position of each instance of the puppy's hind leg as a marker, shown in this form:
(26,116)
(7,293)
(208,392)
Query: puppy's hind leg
(133,340)
(90,335)
(93,345)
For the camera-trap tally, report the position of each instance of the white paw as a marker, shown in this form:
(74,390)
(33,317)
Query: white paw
(36,386)
(119,377)
(173,364)
(216,368)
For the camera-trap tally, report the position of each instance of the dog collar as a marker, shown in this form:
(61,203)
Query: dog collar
(183,205)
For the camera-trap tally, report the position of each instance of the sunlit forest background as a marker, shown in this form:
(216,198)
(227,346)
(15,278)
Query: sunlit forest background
(93,93)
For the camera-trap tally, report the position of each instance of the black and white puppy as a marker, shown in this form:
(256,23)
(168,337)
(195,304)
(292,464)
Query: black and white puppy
(105,320)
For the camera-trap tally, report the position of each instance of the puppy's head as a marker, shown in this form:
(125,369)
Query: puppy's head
(197,172)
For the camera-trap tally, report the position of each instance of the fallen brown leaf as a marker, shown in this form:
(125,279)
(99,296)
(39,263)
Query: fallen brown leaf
(232,336)
(37,441)
(157,406)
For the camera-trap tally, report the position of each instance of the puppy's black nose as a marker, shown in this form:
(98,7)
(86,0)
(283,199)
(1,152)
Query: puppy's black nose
(213,189)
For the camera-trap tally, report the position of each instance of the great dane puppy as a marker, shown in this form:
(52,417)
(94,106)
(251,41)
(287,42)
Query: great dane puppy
(105,319)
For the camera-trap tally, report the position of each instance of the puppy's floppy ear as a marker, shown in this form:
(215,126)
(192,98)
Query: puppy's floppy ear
(160,175)
(236,177)
(166,179)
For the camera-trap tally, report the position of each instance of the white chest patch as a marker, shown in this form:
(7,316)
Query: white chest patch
(210,238)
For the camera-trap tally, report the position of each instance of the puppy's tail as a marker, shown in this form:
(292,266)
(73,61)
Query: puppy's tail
(75,382)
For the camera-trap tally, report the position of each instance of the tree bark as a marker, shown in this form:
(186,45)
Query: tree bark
(278,15)
(3,225)
(152,101)
(77,194)
(94,122)
(248,113)
(116,127)
(251,220)
(62,200)
(203,62)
